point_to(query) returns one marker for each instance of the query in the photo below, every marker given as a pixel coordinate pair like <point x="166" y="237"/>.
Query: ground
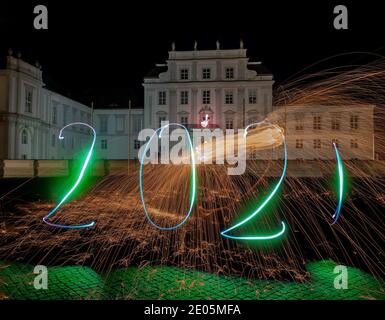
<point x="165" y="282"/>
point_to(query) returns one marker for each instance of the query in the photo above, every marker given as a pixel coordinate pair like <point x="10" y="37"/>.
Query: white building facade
<point x="31" y="117"/>
<point x="113" y="126"/>
<point x="312" y="130"/>
<point x="221" y="86"/>
<point x="224" y="87"/>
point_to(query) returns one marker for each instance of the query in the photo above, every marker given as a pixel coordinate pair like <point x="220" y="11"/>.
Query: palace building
<point x="230" y="92"/>
<point x="222" y="86"/>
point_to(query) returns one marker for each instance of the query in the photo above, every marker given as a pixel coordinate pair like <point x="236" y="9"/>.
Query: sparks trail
<point x="124" y="236"/>
<point x="193" y="178"/>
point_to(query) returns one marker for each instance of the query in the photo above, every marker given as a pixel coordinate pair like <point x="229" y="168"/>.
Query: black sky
<point x="101" y="50"/>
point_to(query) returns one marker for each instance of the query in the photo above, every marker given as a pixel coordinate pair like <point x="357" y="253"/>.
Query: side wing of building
<point x="31" y="116"/>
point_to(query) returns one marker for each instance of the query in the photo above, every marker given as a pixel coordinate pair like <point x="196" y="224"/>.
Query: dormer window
<point x="184" y="74"/>
<point x="229" y="73"/>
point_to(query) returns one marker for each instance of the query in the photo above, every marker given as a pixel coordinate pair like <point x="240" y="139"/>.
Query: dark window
<point x="184" y="97"/>
<point x="299" y="143"/>
<point x="206" y="99"/>
<point x="162" y="98"/>
<point x="206" y="73"/>
<point x="229" y="73"/>
<point x="317" y="125"/>
<point x="184" y="74"/>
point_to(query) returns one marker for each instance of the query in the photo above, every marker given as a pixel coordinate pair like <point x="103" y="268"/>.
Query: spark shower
<point x="158" y="134"/>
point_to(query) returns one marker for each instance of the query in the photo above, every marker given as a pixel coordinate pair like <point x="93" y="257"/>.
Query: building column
<point x="194" y="113"/>
<point x="240" y="107"/>
<point x="194" y="71"/>
<point x="172" y="106"/>
<point x="218" y="108"/>
<point x="11" y="137"/>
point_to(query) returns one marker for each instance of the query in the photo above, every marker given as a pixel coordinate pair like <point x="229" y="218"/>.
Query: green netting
<point x="164" y="282"/>
<point x="70" y="282"/>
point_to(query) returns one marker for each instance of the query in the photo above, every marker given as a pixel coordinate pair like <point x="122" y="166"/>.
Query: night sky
<point x="101" y="50"/>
